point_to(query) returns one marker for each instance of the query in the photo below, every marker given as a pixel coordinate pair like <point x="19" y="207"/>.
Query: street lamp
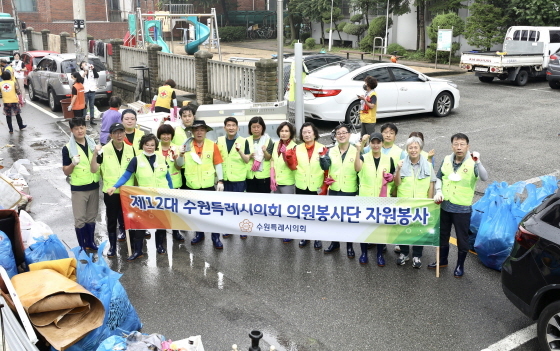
<point x="330" y="31"/>
<point x="386" y="28"/>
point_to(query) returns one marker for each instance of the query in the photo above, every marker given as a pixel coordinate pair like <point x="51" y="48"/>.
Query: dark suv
<point x="531" y="273"/>
<point x="310" y="63"/>
<point x="553" y="70"/>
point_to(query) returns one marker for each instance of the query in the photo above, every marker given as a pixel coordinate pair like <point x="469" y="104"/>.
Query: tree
<point x="445" y="21"/>
<point x="313" y="10"/>
<point x="336" y="16"/>
<point x="376" y="29"/>
<point x="537" y="12"/>
<point x="485" y="26"/>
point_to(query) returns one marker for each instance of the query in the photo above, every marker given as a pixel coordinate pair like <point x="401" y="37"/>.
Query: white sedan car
<point x="330" y="93"/>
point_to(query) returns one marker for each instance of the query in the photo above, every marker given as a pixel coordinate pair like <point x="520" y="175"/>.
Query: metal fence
<point x="132" y="57"/>
<point x="180" y="68"/>
<point x="36" y="40"/>
<point x="179" y="8"/>
<point x="228" y="80"/>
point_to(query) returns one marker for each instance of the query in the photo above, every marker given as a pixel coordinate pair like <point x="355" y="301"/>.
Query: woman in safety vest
<point x="375" y="172"/>
<point x="12" y="105"/>
<point x="415" y="178"/>
<point x="164" y="98"/>
<point x="282" y="177"/>
<point x="132" y="134"/>
<point x="150" y="170"/>
<point x="170" y="152"/>
<point x="259" y="148"/>
<point x="340" y="161"/>
<point x="112" y="159"/>
<point x="309" y="174"/>
<point x="78" y="103"/>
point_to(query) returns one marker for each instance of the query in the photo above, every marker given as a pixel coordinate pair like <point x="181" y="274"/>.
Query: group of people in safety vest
<point x="183" y="158"/>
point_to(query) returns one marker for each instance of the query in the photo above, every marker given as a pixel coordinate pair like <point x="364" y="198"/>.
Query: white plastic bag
<point x="38" y="229"/>
<point x="25" y="222"/>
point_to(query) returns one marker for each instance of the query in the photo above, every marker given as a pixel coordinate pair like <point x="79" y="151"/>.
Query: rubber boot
<point x="317" y="245"/>
<point x="198" y="238"/>
<point x="350" y="250"/>
<point x="122" y="235"/>
<point x="226" y="236"/>
<point x="216" y="241"/>
<point x="160" y="237"/>
<point x="443" y="253"/>
<point x="303" y="243"/>
<point x="380" y="258"/>
<point x="287" y="241"/>
<point x="80" y="234"/>
<point x="113" y="245"/>
<point x="20" y="122"/>
<point x="243" y="236"/>
<point x="147" y="234"/>
<point x="363" y="257"/>
<point x="89" y="239"/>
<point x="178" y="236"/>
<point x="460" y="269"/>
<point x="137" y="241"/>
<point x="334" y="246"/>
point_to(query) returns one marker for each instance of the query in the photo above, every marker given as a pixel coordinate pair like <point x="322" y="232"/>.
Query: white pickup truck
<point x="525" y="54"/>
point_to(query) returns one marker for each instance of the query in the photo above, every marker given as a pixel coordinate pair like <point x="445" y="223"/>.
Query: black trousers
<point x="161" y="109"/>
<point x="18" y="119"/>
<point x="416" y="250"/>
<point x="305" y="192"/>
<point x="258" y="185"/>
<point x="113" y="210"/>
<point x="461" y="222"/>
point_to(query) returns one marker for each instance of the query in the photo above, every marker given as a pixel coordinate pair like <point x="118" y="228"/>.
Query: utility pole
<point x="80" y="29"/>
<point x="19" y="33"/>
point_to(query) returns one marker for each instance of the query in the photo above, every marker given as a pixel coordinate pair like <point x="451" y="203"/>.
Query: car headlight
<point x="452" y="84"/>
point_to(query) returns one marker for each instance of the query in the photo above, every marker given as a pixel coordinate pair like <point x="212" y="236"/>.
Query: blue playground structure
<point x="153" y="31"/>
<point x="202" y="32"/>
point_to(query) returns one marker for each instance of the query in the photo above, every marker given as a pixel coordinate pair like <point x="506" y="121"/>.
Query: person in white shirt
<point x="90" y="75"/>
<point x="19" y="69"/>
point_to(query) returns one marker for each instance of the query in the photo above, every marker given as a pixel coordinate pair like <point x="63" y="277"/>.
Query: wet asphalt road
<point x="303" y="299"/>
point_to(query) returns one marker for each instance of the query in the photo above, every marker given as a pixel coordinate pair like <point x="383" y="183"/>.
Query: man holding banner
<point x="201" y="165"/>
<point x="455" y="186"/>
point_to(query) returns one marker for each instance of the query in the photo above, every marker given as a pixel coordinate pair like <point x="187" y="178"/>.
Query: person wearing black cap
<point x="202" y="161"/>
<point x="112" y="159"/>
<point x="375" y="172"/>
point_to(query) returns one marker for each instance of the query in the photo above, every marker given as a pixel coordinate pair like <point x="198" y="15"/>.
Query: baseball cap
<point x="375" y="136"/>
<point x="116" y="126"/>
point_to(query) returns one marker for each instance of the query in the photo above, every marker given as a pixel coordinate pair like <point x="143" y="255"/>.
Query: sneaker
<point x="402" y="259"/>
<point x="416" y="263"/>
<point x="397" y="249"/>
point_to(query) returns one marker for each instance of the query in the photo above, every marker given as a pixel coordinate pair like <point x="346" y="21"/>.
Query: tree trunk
<point x="421" y="26"/>
<point x="224" y="8"/>
<point x="366" y="15"/>
<point x="339" y="37"/>
<point x="292" y="27"/>
<point x="322" y="33"/>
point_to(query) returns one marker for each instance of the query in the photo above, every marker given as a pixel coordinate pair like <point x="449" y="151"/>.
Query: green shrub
<point x="233" y="33"/>
<point x="310" y="43"/>
<point x="443" y="56"/>
<point x="354" y="29"/>
<point x="357" y="17"/>
<point x="415" y="55"/>
<point x="376" y="29"/>
<point x="401" y="51"/>
<point x="340" y="26"/>
<point x="303" y="36"/>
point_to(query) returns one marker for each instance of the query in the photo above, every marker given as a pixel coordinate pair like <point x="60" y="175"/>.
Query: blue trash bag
<point x="45" y="250"/>
<point x="549" y="186"/>
<point x="101" y="281"/>
<point x="113" y="343"/>
<point x="480" y="208"/>
<point x="496" y="234"/>
<point x="7" y="259"/>
<point x="520" y="209"/>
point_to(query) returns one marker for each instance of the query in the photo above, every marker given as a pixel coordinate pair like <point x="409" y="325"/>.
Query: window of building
<point x="26" y="5"/>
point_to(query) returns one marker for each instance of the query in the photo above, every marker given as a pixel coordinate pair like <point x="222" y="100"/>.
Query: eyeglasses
<point x="460" y="145"/>
<point x="341" y="133"/>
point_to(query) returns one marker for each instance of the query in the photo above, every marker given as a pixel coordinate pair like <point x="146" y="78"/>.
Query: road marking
<point x="556" y="173"/>
<point x="522" y="88"/>
<point x="514" y="340"/>
<point x="324" y="135"/>
<point x="50" y="114"/>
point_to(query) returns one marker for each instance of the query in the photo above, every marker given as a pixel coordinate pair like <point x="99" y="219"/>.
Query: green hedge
<point x="233" y="34"/>
<point x="310" y="43"/>
<point x="401" y="51"/>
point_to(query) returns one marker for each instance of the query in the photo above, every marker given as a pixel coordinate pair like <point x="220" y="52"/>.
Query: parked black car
<point x="553" y="70"/>
<point x="310" y="63"/>
<point x="531" y="273"/>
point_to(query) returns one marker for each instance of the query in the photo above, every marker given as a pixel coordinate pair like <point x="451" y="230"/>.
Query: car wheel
<point x="554" y="84"/>
<point x="32" y="94"/>
<point x="522" y="78"/>
<point x="548" y="327"/>
<point x="443" y="104"/>
<point x="54" y="103"/>
<point x="486" y="79"/>
<point x="353" y="115"/>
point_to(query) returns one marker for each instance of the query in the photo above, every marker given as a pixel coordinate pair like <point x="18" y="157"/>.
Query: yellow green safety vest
<point x="180" y="135"/>
<point x="284" y="175"/>
<point x="199" y="176"/>
<point x="413" y="187"/>
<point x="266" y="164"/>
<point x="138" y="134"/>
<point x="309" y="174"/>
<point x="81" y="174"/>
<point x="459" y="192"/>
<point x="234" y="168"/>
<point x="9" y="94"/>
<point x="149" y="178"/>
<point x="175" y="174"/>
<point x="164" y="96"/>
<point x="395" y="153"/>
<point x="111" y="169"/>
<point x="343" y="172"/>
<point x="371" y="178"/>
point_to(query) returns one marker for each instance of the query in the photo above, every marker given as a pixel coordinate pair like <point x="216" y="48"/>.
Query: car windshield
<point x="337" y="70"/>
<point x="36" y="60"/>
<point x="70" y="66"/>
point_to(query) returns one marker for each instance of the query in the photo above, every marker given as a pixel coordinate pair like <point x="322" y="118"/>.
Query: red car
<point x="31" y="58"/>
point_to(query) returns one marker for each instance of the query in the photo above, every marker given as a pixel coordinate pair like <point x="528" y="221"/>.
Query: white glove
<point x="76" y="160"/>
<point x="220" y="186"/>
<point x="69" y="108"/>
<point x="182" y="149"/>
<point x="438" y="198"/>
<point x="476" y="156"/>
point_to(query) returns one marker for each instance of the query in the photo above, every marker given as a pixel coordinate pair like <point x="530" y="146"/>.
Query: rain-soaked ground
<point x="302" y="299"/>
